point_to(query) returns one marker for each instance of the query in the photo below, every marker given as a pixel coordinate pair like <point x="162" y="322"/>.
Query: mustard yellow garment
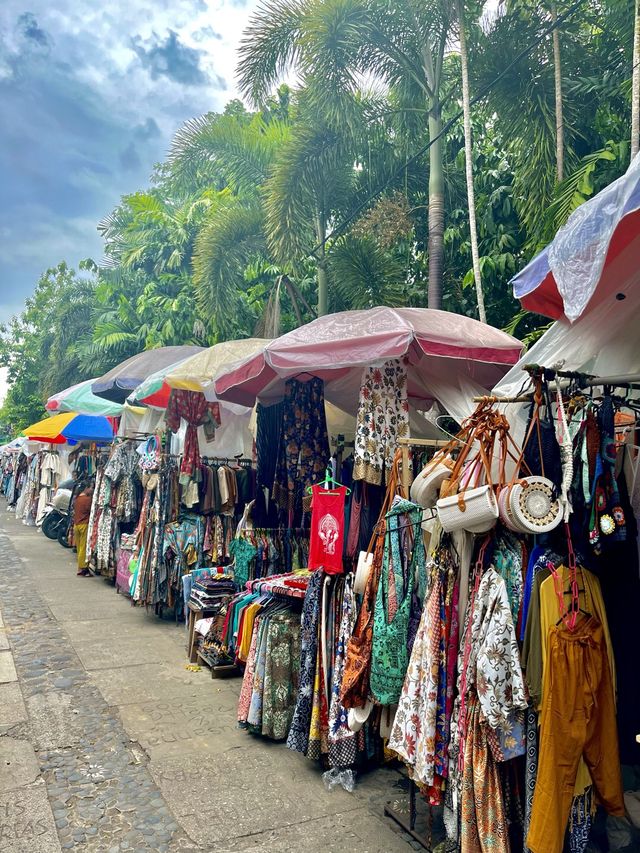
<point x="590" y="600"/>
<point x="247" y="630"/>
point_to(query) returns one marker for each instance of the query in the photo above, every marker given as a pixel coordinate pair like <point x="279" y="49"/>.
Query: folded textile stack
<point x="212" y="591"/>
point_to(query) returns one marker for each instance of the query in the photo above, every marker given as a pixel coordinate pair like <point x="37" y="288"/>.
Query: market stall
<point x="572" y="587"/>
<point x="172" y="491"/>
<point x="386" y="368"/>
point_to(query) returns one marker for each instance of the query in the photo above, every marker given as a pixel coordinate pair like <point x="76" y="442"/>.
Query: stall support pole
<point x="405" y="444"/>
<point x="410" y="825"/>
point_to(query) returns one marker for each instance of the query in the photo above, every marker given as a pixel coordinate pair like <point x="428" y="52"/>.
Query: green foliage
<point x="365" y="275"/>
<point x="252" y="209"/>
<point x="43" y="347"/>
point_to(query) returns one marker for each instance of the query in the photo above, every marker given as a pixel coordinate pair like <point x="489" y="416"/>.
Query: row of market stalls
<point x="409" y="540"/>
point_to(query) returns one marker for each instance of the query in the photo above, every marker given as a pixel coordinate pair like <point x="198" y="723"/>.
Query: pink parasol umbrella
<point x="441" y="348"/>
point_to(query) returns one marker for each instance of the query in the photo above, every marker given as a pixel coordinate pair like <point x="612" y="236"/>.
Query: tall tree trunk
<point x="557" y="73"/>
<point x="468" y="161"/>
<point x="436" y="210"/>
<point x="635" y="85"/>
<point x="323" y="278"/>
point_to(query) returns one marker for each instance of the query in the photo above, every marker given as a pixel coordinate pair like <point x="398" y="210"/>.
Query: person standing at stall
<point x="81" y="513"/>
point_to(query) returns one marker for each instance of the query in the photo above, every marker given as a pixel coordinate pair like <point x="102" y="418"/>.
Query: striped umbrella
<point x="81" y="399"/>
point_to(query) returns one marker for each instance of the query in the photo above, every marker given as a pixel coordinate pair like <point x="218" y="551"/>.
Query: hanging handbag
<point x="541" y="452"/>
<point x="426" y="486"/>
<point x="472" y="509"/>
<point x="475" y="510"/>
<point x="534" y="506"/>
<point x="354" y="690"/>
<point x="150" y="454"/>
<point x="530" y="504"/>
<point x="390" y="652"/>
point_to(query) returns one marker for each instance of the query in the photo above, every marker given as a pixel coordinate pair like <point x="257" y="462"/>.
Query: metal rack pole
<point x="410" y="825"/>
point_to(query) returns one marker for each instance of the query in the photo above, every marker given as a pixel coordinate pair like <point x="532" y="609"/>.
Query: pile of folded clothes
<point x="209" y="592"/>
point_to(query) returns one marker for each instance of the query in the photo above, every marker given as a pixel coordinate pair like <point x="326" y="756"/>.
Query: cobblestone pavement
<point x="108" y="744"/>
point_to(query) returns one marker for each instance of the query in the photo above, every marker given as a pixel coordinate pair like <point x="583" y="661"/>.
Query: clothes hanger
<point x="570" y="613"/>
<point x="329" y="482"/>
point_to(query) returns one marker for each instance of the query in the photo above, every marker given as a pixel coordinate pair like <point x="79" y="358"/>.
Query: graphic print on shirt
<point x="328" y="530"/>
<point x="326" y="543"/>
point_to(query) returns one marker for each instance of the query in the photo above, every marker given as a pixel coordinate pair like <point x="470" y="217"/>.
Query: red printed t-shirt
<point x="327" y="529"/>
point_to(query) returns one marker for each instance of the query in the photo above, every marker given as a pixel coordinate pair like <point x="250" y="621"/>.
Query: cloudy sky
<point x="90" y="96"/>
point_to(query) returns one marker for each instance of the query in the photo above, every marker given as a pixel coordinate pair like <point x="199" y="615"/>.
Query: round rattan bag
<point x="534" y="506"/>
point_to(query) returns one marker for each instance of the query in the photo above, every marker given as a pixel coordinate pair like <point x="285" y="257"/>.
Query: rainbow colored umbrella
<point x="196" y="372"/>
<point x="72" y="427"/>
<point x="81" y="399"/>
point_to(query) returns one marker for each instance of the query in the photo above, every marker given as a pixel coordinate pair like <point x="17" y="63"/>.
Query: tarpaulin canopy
<point x="603" y="341"/>
<point x="81" y="399"/>
<point x="14" y="446"/>
<point x="450" y="357"/>
<point x="121" y="380"/>
<point x="562" y="279"/>
<point x="70" y="426"/>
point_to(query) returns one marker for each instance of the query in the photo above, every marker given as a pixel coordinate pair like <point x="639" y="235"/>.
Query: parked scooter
<point x="55" y="523"/>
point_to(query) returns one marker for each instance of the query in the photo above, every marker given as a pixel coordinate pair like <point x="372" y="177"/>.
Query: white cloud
<point x="91" y="99"/>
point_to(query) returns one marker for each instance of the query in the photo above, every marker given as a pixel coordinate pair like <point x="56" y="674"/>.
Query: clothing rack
<point x="405" y="444"/>
<point x="226" y="460"/>
<point x="409" y="825"/>
<point x="295" y="530"/>
<point x="563" y="379"/>
<point x="269" y="586"/>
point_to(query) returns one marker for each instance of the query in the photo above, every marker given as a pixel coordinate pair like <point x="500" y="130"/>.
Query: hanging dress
<point x="390" y="653"/>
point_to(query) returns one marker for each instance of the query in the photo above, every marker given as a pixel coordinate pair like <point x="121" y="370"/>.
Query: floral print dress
<point x="494" y="662"/>
<point x="383" y="418"/>
<point x="419" y="733"/>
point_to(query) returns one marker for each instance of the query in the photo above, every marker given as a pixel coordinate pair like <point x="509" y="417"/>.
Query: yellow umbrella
<point x="198" y="372"/>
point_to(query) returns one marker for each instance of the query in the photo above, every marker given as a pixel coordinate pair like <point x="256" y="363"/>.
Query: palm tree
<point x="287" y="182"/>
<point x="152" y="232"/>
<point x="237" y="151"/>
<point x="635" y="85"/>
<point x="333" y="45"/>
<point x="468" y="158"/>
<point x="557" y="76"/>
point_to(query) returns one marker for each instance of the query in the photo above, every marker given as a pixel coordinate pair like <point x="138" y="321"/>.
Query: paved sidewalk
<point x="108" y="744"/>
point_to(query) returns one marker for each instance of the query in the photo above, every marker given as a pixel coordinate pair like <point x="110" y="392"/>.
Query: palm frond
<point x="269" y="47"/>
<point x="578" y="186"/>
<point x="228" y="239"/>
<point x="240" y="152"/>
<point x="310" y="178"/>
<point x="363" y="275"/>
